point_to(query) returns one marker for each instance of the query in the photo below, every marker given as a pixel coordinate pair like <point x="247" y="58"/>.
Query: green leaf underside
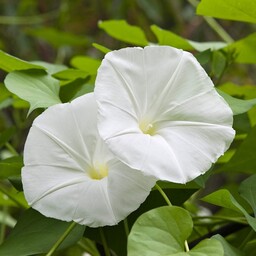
<point x="50" y="67"/>
<point x="238" y="106"/>
<point x="163" y="231"/>
<point x="245" y="91"/>
<point x="10" y="63"/>
<point x="70" y="74"/>
<point x="35" y="233"/>
<point x="244" y="49"/>
<point x="224" y="199"/>
<point x="241" y="10"/>
<point x="40" y="90"/>
<point x="121" y="30"/>
<point x="247" y="190"/>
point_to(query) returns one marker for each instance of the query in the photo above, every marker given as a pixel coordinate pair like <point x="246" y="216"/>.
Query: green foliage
<point x="9" y="63"/>
<point x="165" y="37"/>
<point x="224" y="199"/>
<point x="39" y="89"/>
<point x="163" y="231"/>
<point x="229" y="9"/>
<point x="238" y="106"/>
<point x="245" y="49"/>
<point x="34" y="233"/>
<point x="121" y="30"/>
<point x="229" y="250"/>
<point x="86" y="64"/>
<point x="247" y="190"/>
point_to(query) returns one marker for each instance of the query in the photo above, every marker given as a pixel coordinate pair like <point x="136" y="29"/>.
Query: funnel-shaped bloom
<point x="70" y="174"/>
<point x="159" y="112"/>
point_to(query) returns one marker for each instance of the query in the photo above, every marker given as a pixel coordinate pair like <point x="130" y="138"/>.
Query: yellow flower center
<point x="147" y="128"/>
<point x="98" y="173"/>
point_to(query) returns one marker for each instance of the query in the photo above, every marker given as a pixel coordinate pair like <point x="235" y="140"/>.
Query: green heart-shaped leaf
<point x="163" y="231"/>
<point x="39" y="89"/>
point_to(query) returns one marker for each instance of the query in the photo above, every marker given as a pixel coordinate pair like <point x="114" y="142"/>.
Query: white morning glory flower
<point x="69" y="173"/>
<point x="159" y="112"/>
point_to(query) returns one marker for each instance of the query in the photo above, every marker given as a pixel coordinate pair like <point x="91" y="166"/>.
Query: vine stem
<point x="10" y="196"/>
<point x="163" y="194"/>
<point x="126" y="227"/>
<point x="104" y="243"/>
<point x="247" y="239"/>
<point x="169" y="204"/>
<point x="61" y="239"/>
<point x="186" y="246"/>
<point x="11" y="149"/>
<point x="240" y="220"/>
<point x="215" y="25"/>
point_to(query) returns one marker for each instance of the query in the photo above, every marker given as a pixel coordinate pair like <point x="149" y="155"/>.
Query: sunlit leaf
<point x="101" y="48"/>
<point x="86" y="64"/>
<point x="163" y="231"/>
<point x="203" y="46"/>
<point x="121" y="30"/>
<point x="70" y="74"/>
<point x="40" y="90"/>
<point x="224" y="199"/>
<point x="247" y="190"/>
<point x="244" y="91"/>
<point x="165" y="37"/>
<point x="35" y="233"/>
<point x="229" y="9"/>
<point x="50" y="67"/>
<point x="10" y="63"/>
<point x="244" y="49"/>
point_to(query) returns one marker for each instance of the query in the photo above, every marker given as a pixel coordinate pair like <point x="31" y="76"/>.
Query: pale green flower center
<point x="147" y="128"/>
<point x="99" y="172"/>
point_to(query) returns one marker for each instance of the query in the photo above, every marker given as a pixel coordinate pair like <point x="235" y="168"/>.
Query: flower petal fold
<point x="158" y="112"/>
<point x="62" y="149"/>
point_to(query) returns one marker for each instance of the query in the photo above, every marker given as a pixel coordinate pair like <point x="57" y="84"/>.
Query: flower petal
<point x="146" y="96"/>
<point x="62" y="147"/>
